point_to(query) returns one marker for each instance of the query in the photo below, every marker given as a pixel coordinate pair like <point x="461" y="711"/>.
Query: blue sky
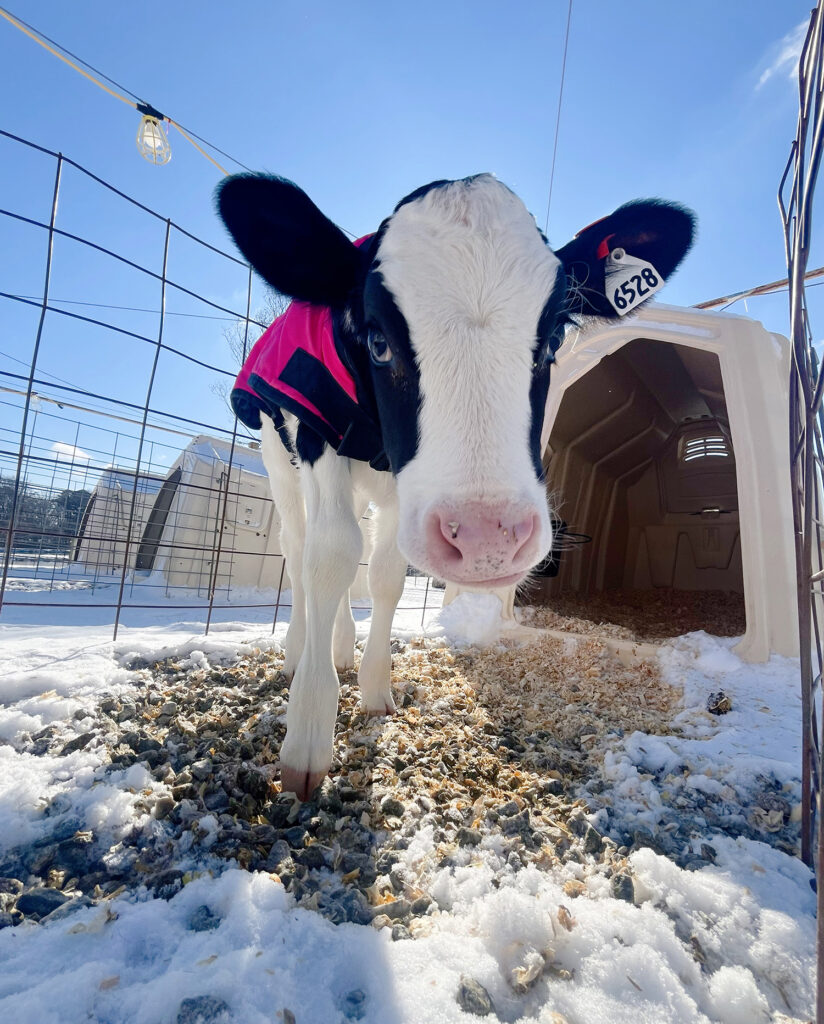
<point x="360" y="103"/>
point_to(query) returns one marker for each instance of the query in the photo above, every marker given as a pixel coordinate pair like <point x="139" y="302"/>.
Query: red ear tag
<point x="603" y="248"/>
<point x="589" y="227"/>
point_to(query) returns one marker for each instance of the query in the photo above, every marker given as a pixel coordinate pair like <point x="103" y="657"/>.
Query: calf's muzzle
<point x="483" y="543"/>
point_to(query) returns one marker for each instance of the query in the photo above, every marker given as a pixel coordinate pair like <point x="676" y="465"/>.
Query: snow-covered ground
<point x="72" y="597"/>
<point x="730" y="941"/>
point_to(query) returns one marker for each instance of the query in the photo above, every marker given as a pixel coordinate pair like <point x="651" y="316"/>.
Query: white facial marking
<point x="470" y="273"/>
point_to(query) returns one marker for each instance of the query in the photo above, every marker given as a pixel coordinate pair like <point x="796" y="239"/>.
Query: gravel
<point x="353" y="1005"/>
<point x="623" y="888"/>
<point x="203" y="920"/>
<point x="496" y="754"/>
<point x="474" y="998"/>
<point x="39" y="901"/>
<point x="204" y="1010"/>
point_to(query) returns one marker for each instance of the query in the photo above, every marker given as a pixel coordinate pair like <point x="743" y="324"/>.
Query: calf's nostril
<point x="517" y="533"/>
<point x="444" y="535"/>
<point x="524" y="531"/>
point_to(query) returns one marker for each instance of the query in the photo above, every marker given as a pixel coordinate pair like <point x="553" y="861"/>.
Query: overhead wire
<point x="53" y="47"/>
<point x="14" y="359"/>
<point x="74" y="56"/>
<point x="36" y="36"/>
<point x="135" y="101"/>
<point x="558" y="118"/>
<point x="135" y="309"/>
<point x="134" y="96"/>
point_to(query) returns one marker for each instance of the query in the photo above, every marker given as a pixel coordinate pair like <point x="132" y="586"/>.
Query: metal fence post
<point x="795" y="200"/>
<point x="158" y="348"/>
<point x="32" y="370"/>
<point x="215" y="567"/>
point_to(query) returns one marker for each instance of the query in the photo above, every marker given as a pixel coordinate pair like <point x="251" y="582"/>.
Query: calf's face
<point x="462" y="298"/>
<point x="461" y="305"/>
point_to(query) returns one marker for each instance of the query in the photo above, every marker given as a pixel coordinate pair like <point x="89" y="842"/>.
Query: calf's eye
<point x="379" y="348"/>
<point x="542" y="356"/>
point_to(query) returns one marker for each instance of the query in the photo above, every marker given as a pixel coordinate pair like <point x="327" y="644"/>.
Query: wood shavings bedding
<point x="549" y="691"/>
<point x="572" y="688"/>
<point x="646" y="616"/>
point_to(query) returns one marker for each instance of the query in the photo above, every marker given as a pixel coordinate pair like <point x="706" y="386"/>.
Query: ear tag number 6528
<point x="629" y="281"/>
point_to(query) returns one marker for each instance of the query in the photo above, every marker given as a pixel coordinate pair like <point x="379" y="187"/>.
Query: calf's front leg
<point x="343" y="638"/>
<point x="330" y="560"/>
<point x="386" y="574"/>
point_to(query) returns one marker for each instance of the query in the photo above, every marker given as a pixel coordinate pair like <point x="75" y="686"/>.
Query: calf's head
<point x="454" y="310"/>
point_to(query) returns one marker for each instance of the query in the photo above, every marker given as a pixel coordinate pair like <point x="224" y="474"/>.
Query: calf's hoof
<point x="384" y="706"/>
<point x="380" y="714"/>
<point x="300" y="782"/>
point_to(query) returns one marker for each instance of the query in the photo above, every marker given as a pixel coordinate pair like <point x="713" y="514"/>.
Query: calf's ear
<point x="652" y="230"/>
<point x="287" y="239"/>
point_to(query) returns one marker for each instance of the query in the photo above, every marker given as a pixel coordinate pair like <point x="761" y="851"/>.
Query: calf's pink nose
<point x="480" y="542"/>
<point x="472" y="534"/>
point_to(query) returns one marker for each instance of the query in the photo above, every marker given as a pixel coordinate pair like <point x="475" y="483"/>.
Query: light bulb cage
<point x="152" y="143"/>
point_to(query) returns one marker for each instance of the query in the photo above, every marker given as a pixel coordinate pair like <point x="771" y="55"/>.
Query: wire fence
<point x="128" y="487"/>
<point x="126" y="484"/>
<point x="795" y="196"/>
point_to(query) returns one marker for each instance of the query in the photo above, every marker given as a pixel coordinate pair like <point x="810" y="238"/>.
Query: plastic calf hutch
<point x="105" y="530"/>
<point x="665" y="441"/>
<point x="180" y="538"/>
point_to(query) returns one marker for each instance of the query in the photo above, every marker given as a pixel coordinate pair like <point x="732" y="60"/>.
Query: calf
<point x="411" y="371"/>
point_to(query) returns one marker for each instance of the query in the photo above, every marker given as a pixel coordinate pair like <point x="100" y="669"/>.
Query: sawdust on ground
<point x="645" y="616"/>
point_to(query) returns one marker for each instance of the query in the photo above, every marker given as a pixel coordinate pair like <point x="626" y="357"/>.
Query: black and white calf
<point x="446" y="321"/>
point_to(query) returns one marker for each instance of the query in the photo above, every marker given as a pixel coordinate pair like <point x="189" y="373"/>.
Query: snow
<point x="470" y="619"/>
<point x="133" y="959"/>
<point x="760" y="737"/>
<point x="630" y="967"/>
<point x="65" y="597"/>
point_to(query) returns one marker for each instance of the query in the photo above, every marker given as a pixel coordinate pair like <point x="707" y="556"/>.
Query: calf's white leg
<point x="284" y="480"/>
<point x="330" y="561"/>
<point x="343" y="642"/>
<point x="386" y="574"/>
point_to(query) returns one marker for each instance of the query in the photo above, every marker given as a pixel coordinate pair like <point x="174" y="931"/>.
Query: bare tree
<point x="241" y="336"/>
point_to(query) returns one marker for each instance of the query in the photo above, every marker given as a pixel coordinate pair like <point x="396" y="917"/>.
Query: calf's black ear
<point x="287" y="239"/>
<point x="650" y="230"/>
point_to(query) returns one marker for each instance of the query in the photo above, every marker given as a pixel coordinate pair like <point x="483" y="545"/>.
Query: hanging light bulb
<point x="151" y="139"/>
